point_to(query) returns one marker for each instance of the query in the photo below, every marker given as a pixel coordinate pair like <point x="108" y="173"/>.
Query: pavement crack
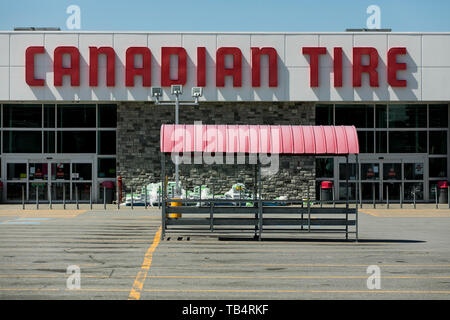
<point x="95" y="260"/>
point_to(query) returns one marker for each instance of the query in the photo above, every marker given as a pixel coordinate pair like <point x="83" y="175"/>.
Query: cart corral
<point x="254" y="145"/>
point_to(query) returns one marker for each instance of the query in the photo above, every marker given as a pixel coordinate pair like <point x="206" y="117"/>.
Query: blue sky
<point x="228" y="15"/>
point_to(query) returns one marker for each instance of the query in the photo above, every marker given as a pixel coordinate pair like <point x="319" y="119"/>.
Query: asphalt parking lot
<point x="119" y="256"/>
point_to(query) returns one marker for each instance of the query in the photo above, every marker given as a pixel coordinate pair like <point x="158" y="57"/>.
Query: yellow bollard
<point x="174" y="204"/>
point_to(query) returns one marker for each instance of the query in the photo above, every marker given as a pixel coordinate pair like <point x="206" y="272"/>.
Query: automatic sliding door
<point x="81" y="181"/>
<point x="60" y="181"/>
<point x="370" y="181"/>
<point x="38" y="180"/>
<point x="414" y="175"/>
<point x="392" y="180"/>
<point x="16" y="181"/>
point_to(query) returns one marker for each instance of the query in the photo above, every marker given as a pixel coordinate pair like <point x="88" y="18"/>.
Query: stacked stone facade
<point x="138" y="146"/>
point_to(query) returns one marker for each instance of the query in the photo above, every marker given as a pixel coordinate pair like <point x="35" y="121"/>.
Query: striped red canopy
<point x="333" y="140"/>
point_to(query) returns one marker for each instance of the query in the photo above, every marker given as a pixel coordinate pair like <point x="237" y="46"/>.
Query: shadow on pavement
<point x="320" y="240"/>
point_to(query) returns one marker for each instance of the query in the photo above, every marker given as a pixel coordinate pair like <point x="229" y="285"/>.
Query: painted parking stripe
<point x="135" y="293"/>
<point x="26" y="221"/>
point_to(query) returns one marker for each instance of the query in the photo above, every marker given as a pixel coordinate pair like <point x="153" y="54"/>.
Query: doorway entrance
<point x="396" y="177"/>
<point x="44" y="179"/>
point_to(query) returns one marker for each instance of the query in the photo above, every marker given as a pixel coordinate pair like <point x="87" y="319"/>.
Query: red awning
<point x="333" y="140"/>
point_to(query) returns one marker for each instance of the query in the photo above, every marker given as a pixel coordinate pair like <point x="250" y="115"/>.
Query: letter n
<point x="256" y="66"/>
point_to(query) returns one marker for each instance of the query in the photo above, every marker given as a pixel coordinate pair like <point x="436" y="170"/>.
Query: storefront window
<point x="438" y="115"/>
<point x="351" y="171"/>
<point x="81" y="191"/>
<point x="381" y="116"/>
<point x="49" y="115"/>
<point x="60" y="171"/>
<point x="22" y="141"/>
<point x="76" y="142"/>
<point x="365" y="139"/>
<point x="407" y="116"/>
<point x="49" y="142"/>
<point x="392" y="190"/>
<point x="358" y="115"/>
<point x="370" y="171"/>
<point x="324" y="114"/>
<point x="381" y="142"/>
<point x="433" y="191"/>
<point x="343" y="191"/>
<point x="438" y="167"/>
<point x="408" y="142"/>
<point x="413" y="190"/>
<point x="438" y="142"/>
<point x="76" y="116"/>
<point x="107" y="115"/>
<point x="413" y="171"/>
<point x="107" y="168"/>
<point x="38" y="171"/>
<point x="107" y="142"/>
<point x="392" y="171"/>
<point x="15" y="191"/>
<point x="324" y="167"/>
<point x="22" y="115"/>
<point x="16" y="171"/>
<point x="81" y="171"/>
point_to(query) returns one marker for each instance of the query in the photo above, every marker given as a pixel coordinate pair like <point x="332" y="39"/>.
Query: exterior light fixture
<point x="197" y="92"/>
<point x="156" y="92"/>
<point x="176" y="89"/>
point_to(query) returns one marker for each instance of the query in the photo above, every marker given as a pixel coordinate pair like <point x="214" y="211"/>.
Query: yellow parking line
<point x="135" y="293"/>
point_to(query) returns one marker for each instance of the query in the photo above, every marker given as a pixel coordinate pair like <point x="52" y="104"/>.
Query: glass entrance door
<point x="38" y="180"/>
<point x="68" y="180"/>
<point x="60" y="181"/>
<point x="396" y="178"/>
<point x="392" y="180"/>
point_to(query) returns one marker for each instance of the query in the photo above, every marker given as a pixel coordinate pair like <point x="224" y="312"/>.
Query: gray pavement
<point x="120" y="257"/>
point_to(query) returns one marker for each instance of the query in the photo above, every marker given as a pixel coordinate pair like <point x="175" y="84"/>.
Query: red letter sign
<point x="393" y="66"/>
<point x="74" y="70"/>
<point x="132" y="71"/>
<point x="371" y="69"/>
<point x="235" y="71"/>
<point x="256" y="66"/>
<point x="314" y="53"/>
<point x="29" y="66"/>
<point x="166" y="52"/>
<point x="94" y="52"/>
<point x="201" y="67"/>
<point x="337" y="67"/>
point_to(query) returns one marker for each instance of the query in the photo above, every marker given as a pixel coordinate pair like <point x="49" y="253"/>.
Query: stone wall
<point x="138" y="156"/>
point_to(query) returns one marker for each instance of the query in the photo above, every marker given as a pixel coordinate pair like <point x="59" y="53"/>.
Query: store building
<point x="77" y="110"/>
